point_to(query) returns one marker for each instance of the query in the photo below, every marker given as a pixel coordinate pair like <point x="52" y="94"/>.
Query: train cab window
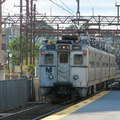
<point x="103" y="64"/>
<point x="92" y="64"/>
<point x="111" y="65"/>
<point x="64" y="58"/>
<point x="107" y="65"/>
<point x="78" y="59"/>
<point x="48" y="58"/>
<point x="98" y="64"/>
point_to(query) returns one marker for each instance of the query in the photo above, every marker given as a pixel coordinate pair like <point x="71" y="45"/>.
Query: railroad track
<point x="65" y="106"/>
<point x="40" y="111"/>
<point x="34" y="113"/>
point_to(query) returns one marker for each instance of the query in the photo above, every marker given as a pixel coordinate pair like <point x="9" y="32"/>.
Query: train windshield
<point x="48" y="58"/>
<point x="78" y="59"/>
<point x="64" y="58"/>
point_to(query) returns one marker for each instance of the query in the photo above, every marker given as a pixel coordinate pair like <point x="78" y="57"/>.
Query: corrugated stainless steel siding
<point x="13" y="93"/>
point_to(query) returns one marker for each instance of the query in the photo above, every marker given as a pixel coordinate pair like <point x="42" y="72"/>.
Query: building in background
<point x="8" y="34"/>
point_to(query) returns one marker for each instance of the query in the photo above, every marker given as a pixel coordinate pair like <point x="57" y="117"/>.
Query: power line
<point x="61" y="7"/>
<point x="9" y="10"/>
<point x="92" y="6"/>
<point x="67" y="6"/>
<point x="49" y="8"/>
<point x="4" y="12"/>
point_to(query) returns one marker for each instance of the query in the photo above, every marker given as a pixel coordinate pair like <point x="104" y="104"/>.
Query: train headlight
<point x="50" y="76"/>
<point x="75" y="77"/>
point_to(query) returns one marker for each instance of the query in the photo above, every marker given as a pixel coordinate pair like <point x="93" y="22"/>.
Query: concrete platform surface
<point x="103" y="106"/>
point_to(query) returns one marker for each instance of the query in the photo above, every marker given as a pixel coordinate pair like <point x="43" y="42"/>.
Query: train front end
<point x="63" y="70"/>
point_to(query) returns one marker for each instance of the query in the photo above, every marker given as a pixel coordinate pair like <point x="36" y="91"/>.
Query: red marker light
<point x="63" y="47"/>
<point x="42" y="52"/>
<point x="85" y="53"/>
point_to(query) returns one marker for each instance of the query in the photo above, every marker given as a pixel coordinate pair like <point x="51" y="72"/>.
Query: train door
<point x="64" y="67"/>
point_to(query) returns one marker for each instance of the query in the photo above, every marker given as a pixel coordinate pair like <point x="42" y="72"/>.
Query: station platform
<point x="103" y="106"/>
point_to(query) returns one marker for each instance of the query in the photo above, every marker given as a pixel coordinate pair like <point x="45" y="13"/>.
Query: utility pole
<point x="117" y="11"/>
<point x="30" y="10"/>
<point x="27" y="23"/>
<point x="31" y="35"/>
<point x="34" y="34"/>
<point x="78" y="11"/>
<point x="1" y="1"/>
<point x="78" y="8"/>
<point x="21" y="53"/>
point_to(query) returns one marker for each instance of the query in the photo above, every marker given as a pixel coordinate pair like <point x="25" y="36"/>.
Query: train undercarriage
<point x="63" y="92"/>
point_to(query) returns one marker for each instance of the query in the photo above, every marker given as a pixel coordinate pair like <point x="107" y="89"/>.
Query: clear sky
<point x="87" y="7"/>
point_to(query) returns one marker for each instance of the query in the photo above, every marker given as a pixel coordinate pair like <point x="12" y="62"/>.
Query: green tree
<point x="30" y="69"/>
<point x="71" y="27"/>
<point x="14" y="49"/>
<point x="14" y="45"/>
<point x="43" y="25"/>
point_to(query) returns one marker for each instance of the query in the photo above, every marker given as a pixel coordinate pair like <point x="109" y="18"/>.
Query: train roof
<point x="80" y="40"/>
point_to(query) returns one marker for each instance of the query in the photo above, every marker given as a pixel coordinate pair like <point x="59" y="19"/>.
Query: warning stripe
<point x="75" y="107"/>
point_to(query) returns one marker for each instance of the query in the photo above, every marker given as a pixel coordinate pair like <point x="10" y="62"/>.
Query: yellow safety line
<point x="75" y="107"/>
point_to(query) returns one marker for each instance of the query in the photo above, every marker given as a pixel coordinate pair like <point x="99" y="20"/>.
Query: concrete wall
<point x="13" y="93"/>
<point x="2" y="75"/>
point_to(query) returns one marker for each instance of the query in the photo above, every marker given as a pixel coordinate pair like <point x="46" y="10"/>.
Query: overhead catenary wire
<point x="61" y="7"/>
<point x="9" y="10"/>
<point x="92" y="6"/>
<point x="67" y="6"/>
<point x="50" y="8"/>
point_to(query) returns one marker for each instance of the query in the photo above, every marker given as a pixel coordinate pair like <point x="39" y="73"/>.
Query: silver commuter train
<point x="70" y="69"/>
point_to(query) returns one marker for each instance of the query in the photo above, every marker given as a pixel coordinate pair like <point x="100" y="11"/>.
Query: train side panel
<point x="48" y="70"/>
<point x="79" y="68"/>
<point x="94" y="71"/>
<point x="92" y="66"/>
<point x="111" y="66"/>
<point x="46" y="81"/>
<point x="98" y="65"/>
<point x="81" y="72"/>
<point x="103" y="66"/>
<point x="107" y="66"/>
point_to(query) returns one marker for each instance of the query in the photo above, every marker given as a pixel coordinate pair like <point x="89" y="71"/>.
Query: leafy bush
<point x="30" y="69"/>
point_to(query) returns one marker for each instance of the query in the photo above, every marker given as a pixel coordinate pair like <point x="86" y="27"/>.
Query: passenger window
<point x="92" y="64"/>
<point x="103" y="64"/>
<point x="78" y="59"/>
<point x="48" y="58"/>
<point x="98" y="64"/>
<point x="111" y="64"/>
<point x="64" y="58"/>
<point x="107" y="64"/>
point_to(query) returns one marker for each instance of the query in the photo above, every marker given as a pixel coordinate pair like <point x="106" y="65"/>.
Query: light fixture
<point x="75" y="77"/>
<point x="50" y="76"/>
